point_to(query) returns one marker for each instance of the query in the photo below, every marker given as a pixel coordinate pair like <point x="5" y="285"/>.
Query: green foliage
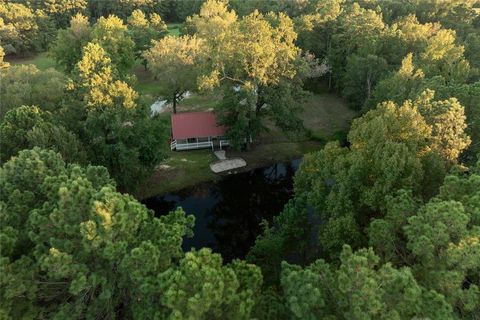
<point x="258" y="56"/>
<point x="361" y="76"/>
<point x="201" y="288"/>
<point x="143" y="31"/>
<point x="26" y="85"/>
<point x="62" y="10"/>
<point x="176" y="63"/>
<point x="27" y="127"/>
<point x="19" y="29"/>
<point x="444" y="237"/>
<point x="117" y="132"/>
<point x="3" y="64"/>
<point x="428" y="250"/>
<point x="472" y="49"/>
<point x="409" y="81"/>
<point x="67" y="48"/>
<point x="97" y="80"/>
<point x="288" y="236"/>
<point x="112" y="35"/>
<point x="347" y="33"/>
<point x="357" y="31"/>
<point x="359" y="288"/>
<point x="442" y="57"/>
<point x="236" y="113"/>
<point x="74" y="248"/>
<point x="448" y="122"/>
<point x="128" y="142"/>
<point x="385" y="235"/>
<point x="284" y="103"/>
<point x="391" y="148"/>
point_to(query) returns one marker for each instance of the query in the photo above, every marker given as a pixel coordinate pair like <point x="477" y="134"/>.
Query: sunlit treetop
<point x="98" y="81"/>
<point x="254" y="50"/>
<point x="111" y="33"/>
<point x="3" y="64"/>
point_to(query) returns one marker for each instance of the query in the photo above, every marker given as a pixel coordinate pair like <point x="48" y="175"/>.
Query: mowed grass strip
<point x="42" y="61"/>
<point x="174" y="29"/>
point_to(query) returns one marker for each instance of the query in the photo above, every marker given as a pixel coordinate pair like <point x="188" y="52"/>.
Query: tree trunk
<point x="260" y="102"/>
<point x="174" y="102"/>
<point x="369" y="87"/>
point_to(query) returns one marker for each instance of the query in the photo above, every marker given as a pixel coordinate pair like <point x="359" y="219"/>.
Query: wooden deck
<point x="227" y="165"/>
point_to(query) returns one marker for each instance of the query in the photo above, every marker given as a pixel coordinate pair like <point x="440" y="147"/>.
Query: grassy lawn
<point x="323" y="116"/>
<point x="180" y="170"/>
<point x="146" y="86"/>
<point x="150" y="91"/>
<point x="41" y="60"/>
<point x="174" y="29"/>
<point x="326" y="114"/>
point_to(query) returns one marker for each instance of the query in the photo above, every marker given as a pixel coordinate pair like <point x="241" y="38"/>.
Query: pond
<point x="228" y="212"/>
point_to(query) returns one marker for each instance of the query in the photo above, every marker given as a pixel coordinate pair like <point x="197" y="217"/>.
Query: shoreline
<point x="255" y="159"/>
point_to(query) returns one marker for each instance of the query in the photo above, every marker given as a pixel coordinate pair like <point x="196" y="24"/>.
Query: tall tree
<point x="391" y="148"/>
<point x="67" y="48"/>
<point x="143" y="31"/>
<point x="119" y="133"/>
<point x="61" y="11"/>
<point x="361" y="76"/>
<point x="443" y="57"/>
<point x="26" y="127"/>
<point x="74" y="248"/>
<point x="19" y="29"/>
<point x="97" y="81"/>
<point x="357" y="30"/>
<point x="176" y="62"/>
<point x="253" y="53"/>
<point x="359" y="288"/>
<point x="3" y="63"/>
<point x="112" y="35"/>
<point x="26" y="85"/>
<point x="448" y="122"/>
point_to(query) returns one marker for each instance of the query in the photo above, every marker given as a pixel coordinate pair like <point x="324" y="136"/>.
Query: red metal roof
<point x="195" y="125"/>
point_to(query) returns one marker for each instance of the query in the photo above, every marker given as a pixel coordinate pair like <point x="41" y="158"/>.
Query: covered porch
<point x="197" y="130"/>
<point x="198" y="143"/>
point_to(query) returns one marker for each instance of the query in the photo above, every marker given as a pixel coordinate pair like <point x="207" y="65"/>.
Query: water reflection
<point x="228" y="212"/>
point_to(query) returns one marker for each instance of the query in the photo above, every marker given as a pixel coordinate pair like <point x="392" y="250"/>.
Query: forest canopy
<point x="384" y="219"/>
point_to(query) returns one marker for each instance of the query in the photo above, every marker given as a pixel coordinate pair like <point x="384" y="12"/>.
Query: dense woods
<point x="384" y="222"/>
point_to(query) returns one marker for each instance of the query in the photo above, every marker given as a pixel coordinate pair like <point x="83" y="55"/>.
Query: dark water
<point x="228" y="212"/>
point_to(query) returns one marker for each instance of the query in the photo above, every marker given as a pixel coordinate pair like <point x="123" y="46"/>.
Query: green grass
<point x="41" y="60"/>
<point x="151" y="90"/>
<point x="326" y="114"/>
<point x="181" y="170"/>
<point x="146" y="86"/>
<point x="174" y="29"/>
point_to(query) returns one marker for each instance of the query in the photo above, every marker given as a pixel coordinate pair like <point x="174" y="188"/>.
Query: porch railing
<point x="174" y="145"/>
<point x="224" y="143"/>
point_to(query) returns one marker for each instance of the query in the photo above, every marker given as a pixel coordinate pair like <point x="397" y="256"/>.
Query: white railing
<point x="224" y="143"/>
<point x="190" y="146"/>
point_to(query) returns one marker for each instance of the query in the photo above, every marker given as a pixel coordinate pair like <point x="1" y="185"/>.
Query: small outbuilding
<point x="196" y="130"/>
